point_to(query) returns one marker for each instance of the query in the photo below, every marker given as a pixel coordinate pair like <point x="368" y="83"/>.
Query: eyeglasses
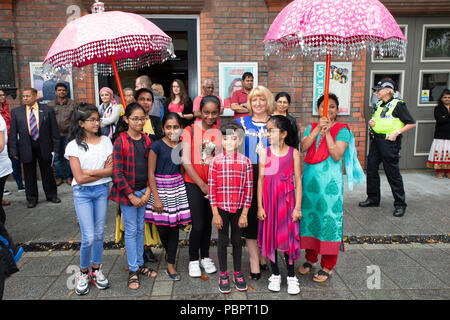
<point x="93" y="120"/>
<point x="138" y="119"/>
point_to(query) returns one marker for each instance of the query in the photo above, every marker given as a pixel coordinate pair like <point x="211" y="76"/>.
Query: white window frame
<point x="422" y="45"/>
<point x="402" y="84"/>
<point x="372" y="56"/>
<point x="416" y="129"/>
<point x="419" y="88"/>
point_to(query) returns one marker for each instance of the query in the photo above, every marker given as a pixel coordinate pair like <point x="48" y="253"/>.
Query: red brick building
<point x="208" y="32"/>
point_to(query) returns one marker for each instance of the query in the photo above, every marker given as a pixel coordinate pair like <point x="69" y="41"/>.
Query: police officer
<point x="389" y="122"/>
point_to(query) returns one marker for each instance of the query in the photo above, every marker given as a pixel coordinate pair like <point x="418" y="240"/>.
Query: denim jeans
<point x="60" y="160"/>
<point x="133" y="221"/>
<point x="91" y="206"/>
<point x="17" y="173"/>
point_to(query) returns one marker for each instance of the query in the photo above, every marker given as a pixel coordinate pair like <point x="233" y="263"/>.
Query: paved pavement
<point x="385" y="258"/>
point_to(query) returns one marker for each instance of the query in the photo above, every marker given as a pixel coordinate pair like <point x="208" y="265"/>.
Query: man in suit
<point x="34" y="137"/>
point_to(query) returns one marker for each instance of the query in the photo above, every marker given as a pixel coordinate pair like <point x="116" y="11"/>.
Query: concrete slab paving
<point x="407" y="270"/>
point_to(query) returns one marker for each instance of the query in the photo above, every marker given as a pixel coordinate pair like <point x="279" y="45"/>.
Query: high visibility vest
<point x="387" y="124"/>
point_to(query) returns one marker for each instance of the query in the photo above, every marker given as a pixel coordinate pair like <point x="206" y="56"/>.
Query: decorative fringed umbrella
<point x="342" y="28"/>
<point x="115" y="40"/>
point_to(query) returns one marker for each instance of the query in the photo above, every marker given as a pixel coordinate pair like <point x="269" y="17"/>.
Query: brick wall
<point x="230" y="31"/>
<point x="33" y="26"/>
<point x="233" y="31"/>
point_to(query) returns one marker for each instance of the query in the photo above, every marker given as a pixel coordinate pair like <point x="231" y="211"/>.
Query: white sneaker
<point x="293" y="286"/>
<point x="194" y="269"/>
<point x="82" y="284"/>
<point x="208" y="265"/>
<point x="98" y="279"/>
<point x="274" y="283"/>
<point x="6" y="192"/>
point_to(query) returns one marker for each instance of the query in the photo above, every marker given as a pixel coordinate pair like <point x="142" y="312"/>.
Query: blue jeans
<point x="60" y="161"/>
<point x="133" y="221"/>
<point x="17" y="173"/>
<point x="91" y="206"/>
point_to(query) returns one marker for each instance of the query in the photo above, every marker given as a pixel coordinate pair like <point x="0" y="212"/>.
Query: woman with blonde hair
<point x="261" y="103"/>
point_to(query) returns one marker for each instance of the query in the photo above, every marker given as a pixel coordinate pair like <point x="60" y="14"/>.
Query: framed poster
<point x="340" y="84"/>
<point x="44" y="80"/>
<point x="230" y="80"/>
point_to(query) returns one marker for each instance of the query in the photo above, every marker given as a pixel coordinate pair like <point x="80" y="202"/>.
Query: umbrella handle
<point x="327" y="86"/>
<point x="119" y="84"/>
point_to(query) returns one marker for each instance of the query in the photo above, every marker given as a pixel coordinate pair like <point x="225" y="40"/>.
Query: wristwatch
<point x="398" y="132"/>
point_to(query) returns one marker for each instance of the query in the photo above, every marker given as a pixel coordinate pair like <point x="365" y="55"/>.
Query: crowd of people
<point x="168" y="164"/>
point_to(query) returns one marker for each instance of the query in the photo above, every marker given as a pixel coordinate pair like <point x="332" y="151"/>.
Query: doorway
<point x="184" y="67"/>
<point x="420" y="77"/>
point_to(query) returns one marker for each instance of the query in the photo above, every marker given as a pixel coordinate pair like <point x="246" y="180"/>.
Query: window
<point x="7" y="83"/>
<point x="435" y="43"/>
<point x="377" y="75"/>
<point x="377" y="57"/>
<point x="431" y="85"/>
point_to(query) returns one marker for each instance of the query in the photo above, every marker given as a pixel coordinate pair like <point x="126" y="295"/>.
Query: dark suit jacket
<point x="20" y="139"/>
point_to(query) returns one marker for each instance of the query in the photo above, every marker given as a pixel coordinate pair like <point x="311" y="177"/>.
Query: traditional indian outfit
<point x="321" y="225"/>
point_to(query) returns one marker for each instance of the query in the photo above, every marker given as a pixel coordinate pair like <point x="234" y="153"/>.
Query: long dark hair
<point x="284" y="125"/>
<point x="183" y="93"/>
<point x="172" y="115"/>
<point x="330" y="96"/>
<point x="444" y="92"/>
<point x="210" y="98"/>
<point x="81" y="113"/>
<point x="122" y="126"/>
<point x="283" y="94"/>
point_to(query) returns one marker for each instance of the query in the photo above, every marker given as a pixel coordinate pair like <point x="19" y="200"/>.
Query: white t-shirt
<point x="5" y="162"/>
<point x="92" y="159"/>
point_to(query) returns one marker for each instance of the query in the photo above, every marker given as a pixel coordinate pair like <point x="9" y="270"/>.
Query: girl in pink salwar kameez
<point x="279" y="201"/>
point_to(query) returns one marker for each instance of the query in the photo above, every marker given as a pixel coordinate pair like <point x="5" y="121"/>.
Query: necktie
<point x="34" y="131"/>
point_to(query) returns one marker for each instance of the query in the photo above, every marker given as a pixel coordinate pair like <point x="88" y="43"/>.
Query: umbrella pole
<point x="327" y="85"/>
<point x="119" y="84"/>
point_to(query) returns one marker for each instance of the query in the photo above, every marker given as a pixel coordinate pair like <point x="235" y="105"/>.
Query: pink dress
<point x="278" y="231"/>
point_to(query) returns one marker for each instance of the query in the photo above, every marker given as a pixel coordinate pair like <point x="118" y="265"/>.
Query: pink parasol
<point x="334" y="27"/>
<point x="116" y="40"/>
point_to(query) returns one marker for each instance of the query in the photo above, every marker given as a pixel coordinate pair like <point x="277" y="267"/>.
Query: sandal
<point x="322" y="273"/>
<point x="306" y="265"/>
<point x="148" y="272"/>
<point x="133" y="278"/>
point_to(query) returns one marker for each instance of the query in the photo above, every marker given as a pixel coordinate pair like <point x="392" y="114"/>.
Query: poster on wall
<point x="230" y="80"/>
<point x="44" y="80"/>
<point x="340" y="84"/>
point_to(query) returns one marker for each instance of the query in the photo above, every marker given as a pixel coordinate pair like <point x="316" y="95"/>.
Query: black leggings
<point x="290" y="267"/>
<point x="201" y="216"/>
<point x="169" y="237"/>
<point x="230" y="219"/>
<point x="2" y="188"/>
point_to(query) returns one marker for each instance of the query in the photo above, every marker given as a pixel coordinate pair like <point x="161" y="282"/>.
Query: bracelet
<point x="332" y="147"/>
<point x="243" y="216"/>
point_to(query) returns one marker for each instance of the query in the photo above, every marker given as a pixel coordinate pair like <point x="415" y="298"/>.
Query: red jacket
<point x="124" y="168"/>
<point x="4" y="112"/>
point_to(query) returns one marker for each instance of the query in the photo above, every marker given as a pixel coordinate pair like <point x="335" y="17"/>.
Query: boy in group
<point x="230" y="184"/>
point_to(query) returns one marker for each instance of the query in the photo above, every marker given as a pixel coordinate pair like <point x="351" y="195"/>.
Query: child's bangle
<point x="243" y="216"/>
<point x="332" y="147"/>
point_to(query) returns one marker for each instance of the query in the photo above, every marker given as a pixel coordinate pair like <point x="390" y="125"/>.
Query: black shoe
<point x="31" y="205"/>
<point x="368" y="203"/>
<point x="255" y="276"/>
<point x="399" y="212"/>
<point x="263" y="266"/>
<point x="149" y="256"/>
<point x="55" y="200"/>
